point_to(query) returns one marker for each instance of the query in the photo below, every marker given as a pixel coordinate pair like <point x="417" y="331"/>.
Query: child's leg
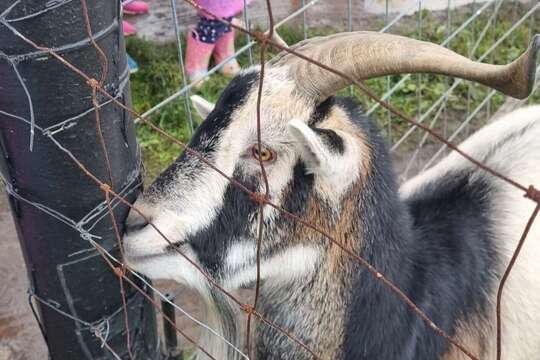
<point x="200" y="44"/>
<point x="224" y="49"/>
<point x="128" y="29"/>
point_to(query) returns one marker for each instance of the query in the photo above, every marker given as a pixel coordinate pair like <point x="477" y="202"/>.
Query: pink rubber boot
<point x="135" y="7"/>
<point x="128" y="29"/>
<point x="225" y="48"/>
<point x="197" y="58"/>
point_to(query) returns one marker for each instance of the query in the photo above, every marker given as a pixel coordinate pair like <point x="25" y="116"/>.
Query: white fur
<point x="172" y="266"/>
<point x="289" y="264"/>
<point x="518" y="159"/>
<point x="481" y="143"/>
<point x="201" y="197"/>
<point x="239" y="254"/>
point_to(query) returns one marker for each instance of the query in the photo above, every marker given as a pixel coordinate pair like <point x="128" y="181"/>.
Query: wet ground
<point x="158" y="25"/>
<point x="19" y="334"/>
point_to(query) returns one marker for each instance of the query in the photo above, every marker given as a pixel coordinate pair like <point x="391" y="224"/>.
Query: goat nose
<point x="135" y="222"/>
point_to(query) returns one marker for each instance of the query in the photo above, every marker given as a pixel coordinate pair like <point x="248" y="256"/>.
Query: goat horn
<point x="364" y="55"/>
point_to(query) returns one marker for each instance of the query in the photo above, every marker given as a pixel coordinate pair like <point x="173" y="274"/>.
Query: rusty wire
<point x="266" y="195"/>
<point x="95" y="103"/>
<point x="263" y="199"/>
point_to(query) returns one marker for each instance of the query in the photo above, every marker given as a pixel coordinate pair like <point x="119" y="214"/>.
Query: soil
<point x="158" y="24"/>
<point x="20" y="338"/>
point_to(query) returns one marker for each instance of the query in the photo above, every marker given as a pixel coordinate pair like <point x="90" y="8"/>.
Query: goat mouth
<point x="136" y="254"/>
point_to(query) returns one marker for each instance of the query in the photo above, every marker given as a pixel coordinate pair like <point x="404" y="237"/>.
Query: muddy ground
<point x="19" y="334"/>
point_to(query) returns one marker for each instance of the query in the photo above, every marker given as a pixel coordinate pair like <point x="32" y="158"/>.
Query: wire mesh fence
<point x="452" y="111"/>
<point x="469" y="29"/>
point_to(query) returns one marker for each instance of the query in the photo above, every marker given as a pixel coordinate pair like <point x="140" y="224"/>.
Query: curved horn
<point x="363" y="55"/>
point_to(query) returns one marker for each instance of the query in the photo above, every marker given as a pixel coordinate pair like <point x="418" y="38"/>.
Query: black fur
<point x="321" y="111"/>
<point x="331" y="139"/>
<point x="437" y="247"/>
<point x="211" y="243"/>
<point x="205" y="137"/>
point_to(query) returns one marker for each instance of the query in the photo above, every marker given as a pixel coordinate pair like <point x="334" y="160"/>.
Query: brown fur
<point x="332" y="305"/>
<point x="343" y="231"/>
<point x="338" y="221"/>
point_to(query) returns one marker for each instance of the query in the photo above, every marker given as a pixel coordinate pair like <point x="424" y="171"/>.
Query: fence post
<point x="45" y="110"/>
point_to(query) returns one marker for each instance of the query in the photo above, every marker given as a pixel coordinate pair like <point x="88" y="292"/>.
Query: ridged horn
<point x="364" y="55"/>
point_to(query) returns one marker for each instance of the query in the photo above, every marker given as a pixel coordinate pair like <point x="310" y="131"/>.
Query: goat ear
<point x="202" y="106"/>
<point x="321" y="149"/>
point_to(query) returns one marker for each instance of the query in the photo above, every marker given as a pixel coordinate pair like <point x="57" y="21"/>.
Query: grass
<point x="159" y="76"/>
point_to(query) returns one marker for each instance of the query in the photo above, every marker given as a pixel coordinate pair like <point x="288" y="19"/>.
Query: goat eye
<point x="265" y="154"/>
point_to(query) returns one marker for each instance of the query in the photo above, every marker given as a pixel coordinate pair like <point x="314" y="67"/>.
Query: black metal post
<point x="45" y="110"/>
<point x="172" y="351"/>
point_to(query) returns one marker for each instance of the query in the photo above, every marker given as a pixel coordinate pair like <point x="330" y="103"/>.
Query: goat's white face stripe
<point x="203" y="196"/>
<point x="175" y="267"/>
<point x="294" y="262"/>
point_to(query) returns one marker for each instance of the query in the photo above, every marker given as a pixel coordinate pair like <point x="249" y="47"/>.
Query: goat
<point x="443" y="238"/>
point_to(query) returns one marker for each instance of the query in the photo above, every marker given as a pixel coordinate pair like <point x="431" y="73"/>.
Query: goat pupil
<point x="264" y="154"/>
<point x="256" y="152"/>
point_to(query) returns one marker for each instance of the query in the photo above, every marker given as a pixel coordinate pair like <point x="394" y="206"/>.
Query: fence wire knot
<point x="119" y="271"/>
<point x="261" y="37"/>
<point x="533" y="194"/>
<point x="106" y="188"/>
<point x="93" y="83"/>
<point x="259" y="198"/>
<point x="248" y="309"/>
<point x="101" y="331"/>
